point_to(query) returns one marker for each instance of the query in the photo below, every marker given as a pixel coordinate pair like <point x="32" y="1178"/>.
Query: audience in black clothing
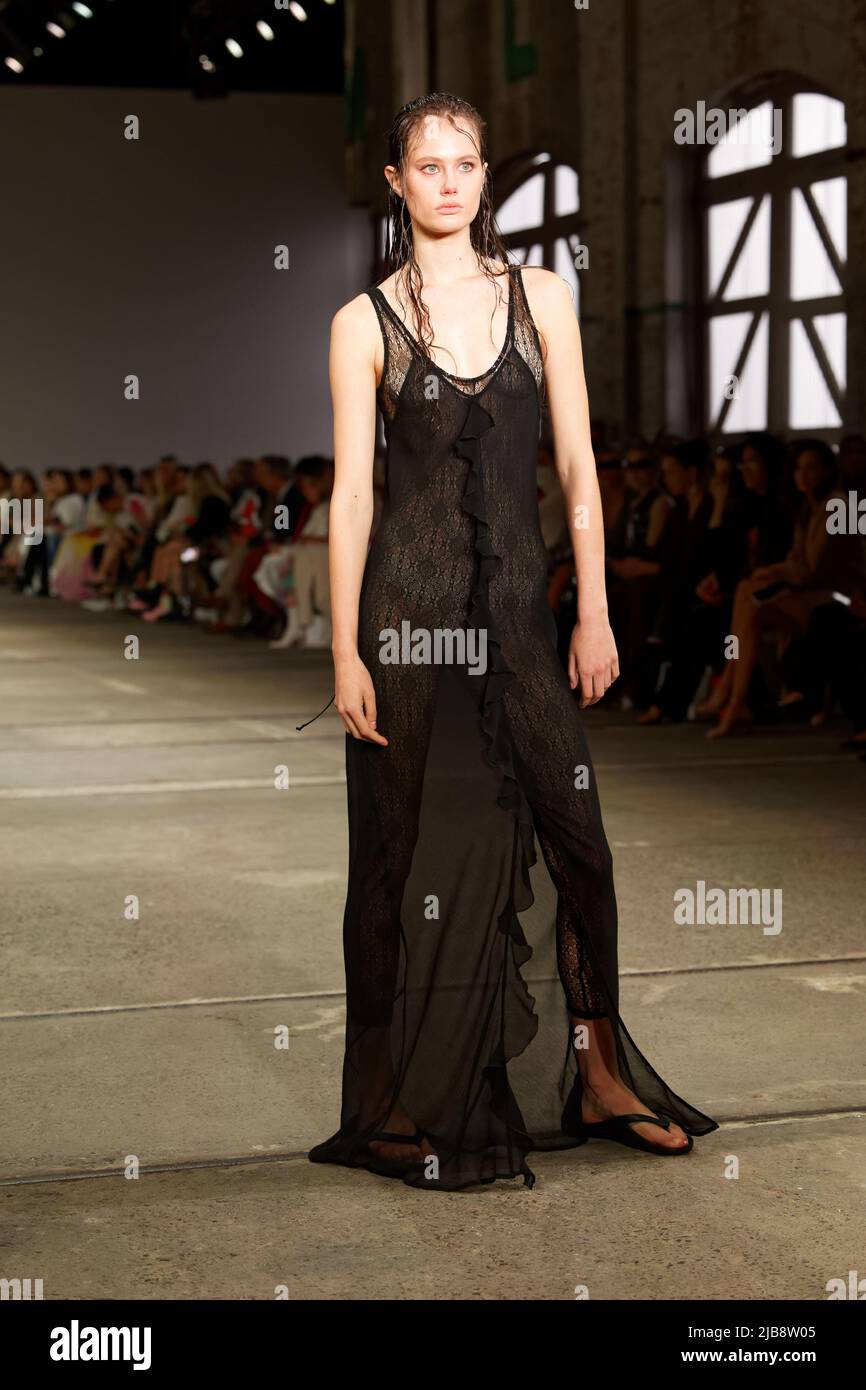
<point x="693" y="542"/>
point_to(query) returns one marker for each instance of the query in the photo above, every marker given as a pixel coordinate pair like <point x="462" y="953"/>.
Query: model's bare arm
<point x="592" y="658"/>
<point x="352" y="368"/>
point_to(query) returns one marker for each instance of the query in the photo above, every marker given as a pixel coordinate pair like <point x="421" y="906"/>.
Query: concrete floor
<point x="154" y="1037"/>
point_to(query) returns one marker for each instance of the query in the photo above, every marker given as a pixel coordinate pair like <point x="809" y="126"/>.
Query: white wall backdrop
<point x="156" y="257"/>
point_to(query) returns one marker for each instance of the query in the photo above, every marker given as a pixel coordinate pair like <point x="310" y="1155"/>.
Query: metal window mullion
<point x="778" y="336"/>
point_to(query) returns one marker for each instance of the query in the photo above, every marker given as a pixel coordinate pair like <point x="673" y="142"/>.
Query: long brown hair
<point x="484" y="235"/>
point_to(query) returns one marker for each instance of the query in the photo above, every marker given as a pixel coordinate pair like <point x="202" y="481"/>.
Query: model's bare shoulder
<point x="355" y="326"/>
<point x="356" y="339"/>
<point x="550" y="304"/>
<point x="546" y="290"/>
<point x="354" y="314"/>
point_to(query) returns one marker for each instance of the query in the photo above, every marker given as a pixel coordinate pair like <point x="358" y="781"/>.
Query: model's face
<point x="443" y="179"/>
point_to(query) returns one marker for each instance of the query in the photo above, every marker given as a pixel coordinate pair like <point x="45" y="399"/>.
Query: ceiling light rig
<point x="216" y="34"/>
<point x="23" y="25"/>
<point x="217" y="30"/>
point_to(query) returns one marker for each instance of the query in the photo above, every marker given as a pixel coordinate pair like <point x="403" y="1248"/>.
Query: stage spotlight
<point x="55" y="29"/>
<point x="234" y="48"/>
<point x="84" y="10"/>
<point x="297" y="10"/>
<point x="14" y="64"/>
<point x="206" y="63"/>
<point x="264" y="29"/>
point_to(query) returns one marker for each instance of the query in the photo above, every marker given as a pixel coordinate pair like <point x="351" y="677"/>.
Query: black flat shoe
<point x="388" y="1167"/>
<point x="618" y="1129"/>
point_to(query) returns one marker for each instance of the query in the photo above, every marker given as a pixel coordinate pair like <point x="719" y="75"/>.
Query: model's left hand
<point x="592" y="660"/>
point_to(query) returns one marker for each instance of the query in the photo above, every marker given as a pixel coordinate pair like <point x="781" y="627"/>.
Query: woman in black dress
<point x="464" y="743"/>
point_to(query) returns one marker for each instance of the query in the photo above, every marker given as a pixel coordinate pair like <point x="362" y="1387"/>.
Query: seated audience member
<point x="32" y="575"/>
<point x="84" y="484"/>
<point x="295" y="575"/>
<point x="72" y="572"/>
<point x="780" y="597"/>
<point x="23" y="494"/>
<point x="830" y="657"/>
<point x="199" y="514"/>
<point x="167" y="482"/>
<point x="633" y="539"/>
<point x="678" y="562"/>
<point x="246" y="610"/>
<point x="755" y="530"/>
<point x="698" y="642"/>
<point x="63" y="512"/>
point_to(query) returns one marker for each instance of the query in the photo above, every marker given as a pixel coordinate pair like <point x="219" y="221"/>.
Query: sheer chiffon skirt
<point x="457" y="997"/>
<point x="457" y="1013"/>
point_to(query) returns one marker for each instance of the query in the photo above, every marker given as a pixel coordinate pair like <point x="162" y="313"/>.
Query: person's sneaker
<point x="97" y="605"/>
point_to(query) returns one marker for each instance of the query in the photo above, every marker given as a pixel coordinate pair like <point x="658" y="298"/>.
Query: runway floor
<point x="146" y="1035"/>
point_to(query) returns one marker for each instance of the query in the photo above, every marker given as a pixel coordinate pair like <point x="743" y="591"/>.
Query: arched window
<point x="774" y="208"/>
<point x="537" y="206"/>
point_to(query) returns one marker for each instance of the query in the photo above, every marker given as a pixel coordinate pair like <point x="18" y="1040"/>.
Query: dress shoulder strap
<point x="526" y="334"/>
<point x="398" y="352"/>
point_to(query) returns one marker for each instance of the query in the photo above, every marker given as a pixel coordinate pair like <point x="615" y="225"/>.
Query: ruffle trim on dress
<point x="497" y="750"/>
<point x="497" y="743"/>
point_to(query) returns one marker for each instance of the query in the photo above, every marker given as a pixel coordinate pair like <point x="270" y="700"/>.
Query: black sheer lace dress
<point x="458" y="996"/>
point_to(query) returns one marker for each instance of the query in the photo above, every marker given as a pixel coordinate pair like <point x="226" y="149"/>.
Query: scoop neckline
<point x="452" y="376"/>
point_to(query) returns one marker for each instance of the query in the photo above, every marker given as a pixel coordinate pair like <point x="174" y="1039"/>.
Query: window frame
<point x="777" y="180"/>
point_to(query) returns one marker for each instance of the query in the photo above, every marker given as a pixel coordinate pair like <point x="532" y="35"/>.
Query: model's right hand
<point x="356" y="699"/>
